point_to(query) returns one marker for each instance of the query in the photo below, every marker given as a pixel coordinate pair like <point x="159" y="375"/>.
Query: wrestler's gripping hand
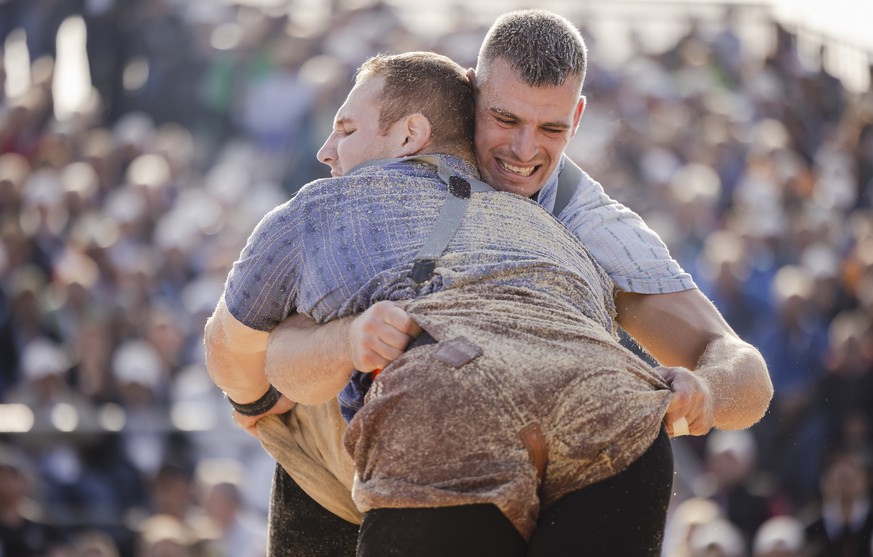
<point x="247" y="423"/>
<point x="379" y="336"/>
<point x="691" y="401"/>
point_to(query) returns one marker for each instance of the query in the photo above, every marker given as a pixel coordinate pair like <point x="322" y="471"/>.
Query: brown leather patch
<point x="456" y="352"/>
<point x="534" y="441"/>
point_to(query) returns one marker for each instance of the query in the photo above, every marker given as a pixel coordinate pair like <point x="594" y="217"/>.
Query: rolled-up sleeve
<point x="261" y="288"/>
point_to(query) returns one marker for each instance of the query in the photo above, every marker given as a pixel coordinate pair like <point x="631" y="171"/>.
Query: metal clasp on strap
<point x="422" y="270"/>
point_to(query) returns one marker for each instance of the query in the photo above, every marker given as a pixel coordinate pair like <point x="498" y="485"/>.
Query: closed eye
<point x="504" y="118"/>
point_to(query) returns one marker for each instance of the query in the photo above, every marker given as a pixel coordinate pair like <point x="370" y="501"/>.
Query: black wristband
<point x="258" y="407"/>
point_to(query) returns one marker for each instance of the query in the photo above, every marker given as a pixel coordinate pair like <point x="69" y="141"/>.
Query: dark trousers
<point x="300" y="527"/>
<point x="623" y="515"/>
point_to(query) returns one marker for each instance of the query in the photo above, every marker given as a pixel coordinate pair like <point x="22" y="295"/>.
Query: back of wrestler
<point x="513" y="284"/>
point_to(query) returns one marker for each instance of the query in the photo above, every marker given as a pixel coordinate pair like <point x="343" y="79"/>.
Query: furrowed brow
<point x="502" y="113"/>
<point x="556" y="125"/>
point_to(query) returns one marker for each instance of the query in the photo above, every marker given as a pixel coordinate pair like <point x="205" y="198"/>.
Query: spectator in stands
<point x="240" y="534"/>
<point x="785" y="139"/>
<point x="21" y="533"/>
<point x="845" y="525"/>
<point x="780" y="536"/>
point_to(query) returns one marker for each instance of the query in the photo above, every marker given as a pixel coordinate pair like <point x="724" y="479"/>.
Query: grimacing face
<point x="356" y="137"/>
<point x="522" y="131"/>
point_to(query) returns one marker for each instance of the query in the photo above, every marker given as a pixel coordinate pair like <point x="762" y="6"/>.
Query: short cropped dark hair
<point x="544" y="48"/>
<point x="432" y="85"/>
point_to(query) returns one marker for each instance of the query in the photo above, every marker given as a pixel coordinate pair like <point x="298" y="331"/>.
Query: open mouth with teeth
<point x="523" y="171"/>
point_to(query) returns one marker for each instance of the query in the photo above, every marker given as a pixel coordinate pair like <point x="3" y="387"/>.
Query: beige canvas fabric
<point x="307" y="443"/>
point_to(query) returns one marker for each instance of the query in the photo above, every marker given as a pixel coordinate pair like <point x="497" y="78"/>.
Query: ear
<point x="577" y="114"/>
<point x="416" y="132"/>
<point x="474" y="81"/>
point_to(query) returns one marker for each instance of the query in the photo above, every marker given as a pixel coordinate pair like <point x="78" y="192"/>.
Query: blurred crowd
<point x="120" y="217"/>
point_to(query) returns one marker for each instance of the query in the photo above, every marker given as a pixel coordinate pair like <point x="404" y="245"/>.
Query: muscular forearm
<point x="309" y="363"/>
<point x="235" y="356"/>
<point x="737" y="377"/>
<point x="312" y="363"/>
<point x="683" y="331"/>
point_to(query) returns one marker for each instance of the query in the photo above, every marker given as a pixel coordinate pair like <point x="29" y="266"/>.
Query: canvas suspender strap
<point x="568" y="183"/>
<point x="449" y="219"/>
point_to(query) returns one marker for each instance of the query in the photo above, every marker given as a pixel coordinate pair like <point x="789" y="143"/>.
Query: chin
<point x="518" y="189"/>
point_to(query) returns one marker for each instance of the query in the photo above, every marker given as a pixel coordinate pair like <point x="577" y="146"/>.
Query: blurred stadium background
<point x="140" y="141"/>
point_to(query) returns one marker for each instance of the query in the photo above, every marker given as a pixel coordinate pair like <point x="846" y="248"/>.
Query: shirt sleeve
<point x="631" y="253"/>
<point x="260" y="291"/>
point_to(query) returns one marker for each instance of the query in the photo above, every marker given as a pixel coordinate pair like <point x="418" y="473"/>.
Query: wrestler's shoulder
<point x="367" y="176"/>
<point x="335" y="187"/>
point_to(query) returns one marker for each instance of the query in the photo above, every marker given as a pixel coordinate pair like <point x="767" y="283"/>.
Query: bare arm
<point x="730" y="387"/>
<point x="308" y="362"/>
<point x="235" y="357"/>
<point x="311" y="363"/>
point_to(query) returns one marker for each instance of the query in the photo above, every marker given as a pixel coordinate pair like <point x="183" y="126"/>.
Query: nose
<point x="327" y="153"/>
<point x="524" y="143"/>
